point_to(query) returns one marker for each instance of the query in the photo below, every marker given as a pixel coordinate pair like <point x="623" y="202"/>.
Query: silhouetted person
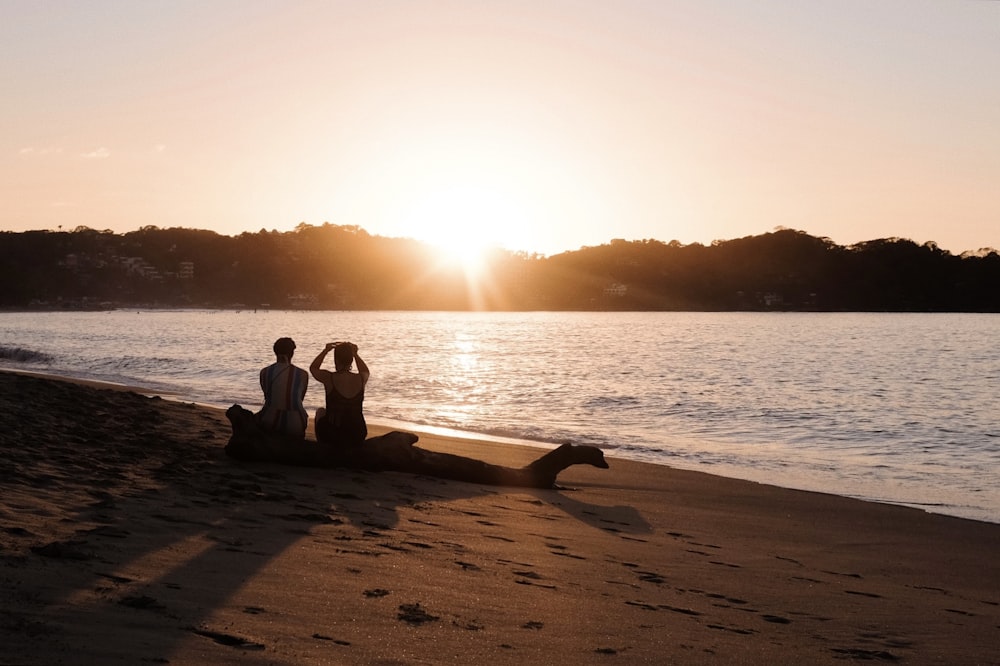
<point x="284" y="387"/>
<point x="342" y="422"/>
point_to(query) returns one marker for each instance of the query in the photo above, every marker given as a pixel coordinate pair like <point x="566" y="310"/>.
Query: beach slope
<point x="127" y="536"/>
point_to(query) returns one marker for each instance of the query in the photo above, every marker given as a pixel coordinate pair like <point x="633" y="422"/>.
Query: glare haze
<point x="540" y="125"/>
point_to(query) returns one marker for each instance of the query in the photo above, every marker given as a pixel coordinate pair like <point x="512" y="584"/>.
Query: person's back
<point x="284" y="387"/>
<point x="342" y="421"/>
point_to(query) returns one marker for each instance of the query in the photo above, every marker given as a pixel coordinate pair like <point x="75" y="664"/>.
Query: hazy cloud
<point x="47" y="150"/>
<point x="101" y="153"/>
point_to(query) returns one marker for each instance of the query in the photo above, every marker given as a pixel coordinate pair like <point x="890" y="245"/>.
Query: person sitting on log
<point x="284" y="386"/>
<point x="342" y="421"/>
<point x="395" y="452"/>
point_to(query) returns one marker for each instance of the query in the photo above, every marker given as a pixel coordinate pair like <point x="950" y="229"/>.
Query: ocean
<point x="897" y="408"/>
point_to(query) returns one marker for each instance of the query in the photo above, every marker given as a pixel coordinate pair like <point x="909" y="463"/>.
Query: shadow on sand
<point x="126" y="529"/>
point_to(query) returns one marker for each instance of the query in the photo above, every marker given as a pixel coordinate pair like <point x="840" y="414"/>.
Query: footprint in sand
<point x="526" y="578"/>
<point x="679" y="609"/>
<point x="959" y="612"/>
<point x="423" y="522"/>
<point x="64" y="550"/>
<point x="321" y="637"/>
<point x="870" y="595"/>
<point x="735" y="630"/>
<point x="497" y="537"/>
<point x="725" y="564"/>
<point x="787" y="559"/>
<point x="564" y="554"/>
<point x="418" y="544"/>
<point x="732" y="600"/>
<point x="415" y="614"/>
<point x="865" y="655"/>
<point x="705" y="545"/>
<point x="845" y="575"/>
<point x="142" y="602"/>
<point x="650" y="577"/>
<point x="775" y="619"/>
<point x="228" y="640"/>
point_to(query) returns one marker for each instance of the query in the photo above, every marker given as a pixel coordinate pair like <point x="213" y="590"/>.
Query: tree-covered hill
<point x="344" y="267"/>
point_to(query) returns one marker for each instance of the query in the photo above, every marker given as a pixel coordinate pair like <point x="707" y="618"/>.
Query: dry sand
<point x="127" y="536"/>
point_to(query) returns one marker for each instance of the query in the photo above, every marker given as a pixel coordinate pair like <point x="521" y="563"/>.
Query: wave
<point x="21" y="355"/>
<point x="613" y="401"/>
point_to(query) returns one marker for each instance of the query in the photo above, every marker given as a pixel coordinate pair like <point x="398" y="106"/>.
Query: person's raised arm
<point x="362" y="366"/>
<point x="314" y="367"/>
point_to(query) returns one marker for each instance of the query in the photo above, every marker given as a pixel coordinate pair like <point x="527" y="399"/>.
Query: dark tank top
<point x="344" y="422"/>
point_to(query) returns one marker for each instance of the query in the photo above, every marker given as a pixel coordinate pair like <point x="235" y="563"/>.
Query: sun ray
<point x="465" y="224"/>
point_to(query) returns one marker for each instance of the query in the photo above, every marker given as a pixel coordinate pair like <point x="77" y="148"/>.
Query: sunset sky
<point x="538" y="125"/>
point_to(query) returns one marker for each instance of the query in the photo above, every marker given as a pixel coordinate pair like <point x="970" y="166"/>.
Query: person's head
<point x="284" y="347"/>
<point x="343" y="356"/>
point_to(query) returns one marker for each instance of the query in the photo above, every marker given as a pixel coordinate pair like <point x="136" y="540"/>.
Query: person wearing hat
<point x="284" y="387"/>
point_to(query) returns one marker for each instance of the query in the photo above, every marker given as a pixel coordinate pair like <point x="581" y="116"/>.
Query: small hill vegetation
<point x="344" y="267"/>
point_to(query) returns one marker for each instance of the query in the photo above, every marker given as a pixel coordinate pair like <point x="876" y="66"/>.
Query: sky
<point x="537" y="125"/>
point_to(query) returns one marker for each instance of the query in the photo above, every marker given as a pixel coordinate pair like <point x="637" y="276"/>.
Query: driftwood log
<point x="395" y="451"/>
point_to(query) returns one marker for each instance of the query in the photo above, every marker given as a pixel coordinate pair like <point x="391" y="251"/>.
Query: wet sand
<point x="127" y="536"/>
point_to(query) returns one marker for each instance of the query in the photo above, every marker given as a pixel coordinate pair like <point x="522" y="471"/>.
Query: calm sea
<point x="899" y="408"/>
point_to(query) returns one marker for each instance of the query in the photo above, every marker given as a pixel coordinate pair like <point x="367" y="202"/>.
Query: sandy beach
<point x="127" y="536"/>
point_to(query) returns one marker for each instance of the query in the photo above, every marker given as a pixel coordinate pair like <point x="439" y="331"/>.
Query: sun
<point x="468" y="252"/>
<point x="464" y="223"/>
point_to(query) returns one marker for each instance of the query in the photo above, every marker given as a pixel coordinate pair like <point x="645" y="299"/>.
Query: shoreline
<point x="127" y="535"/>
<point x="378" y="425"/>
<point x="428" y="431"/>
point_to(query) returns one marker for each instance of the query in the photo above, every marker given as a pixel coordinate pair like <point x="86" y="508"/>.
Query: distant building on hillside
<point x="616" y="290"/>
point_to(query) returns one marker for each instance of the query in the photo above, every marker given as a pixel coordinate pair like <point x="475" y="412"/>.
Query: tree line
<point x="344" y="267"/>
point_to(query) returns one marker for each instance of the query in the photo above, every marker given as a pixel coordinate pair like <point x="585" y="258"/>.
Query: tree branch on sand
<point x="395" y="451"/>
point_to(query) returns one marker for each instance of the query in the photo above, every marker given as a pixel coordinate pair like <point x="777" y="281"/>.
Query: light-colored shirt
<point x="284" y="387"/>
